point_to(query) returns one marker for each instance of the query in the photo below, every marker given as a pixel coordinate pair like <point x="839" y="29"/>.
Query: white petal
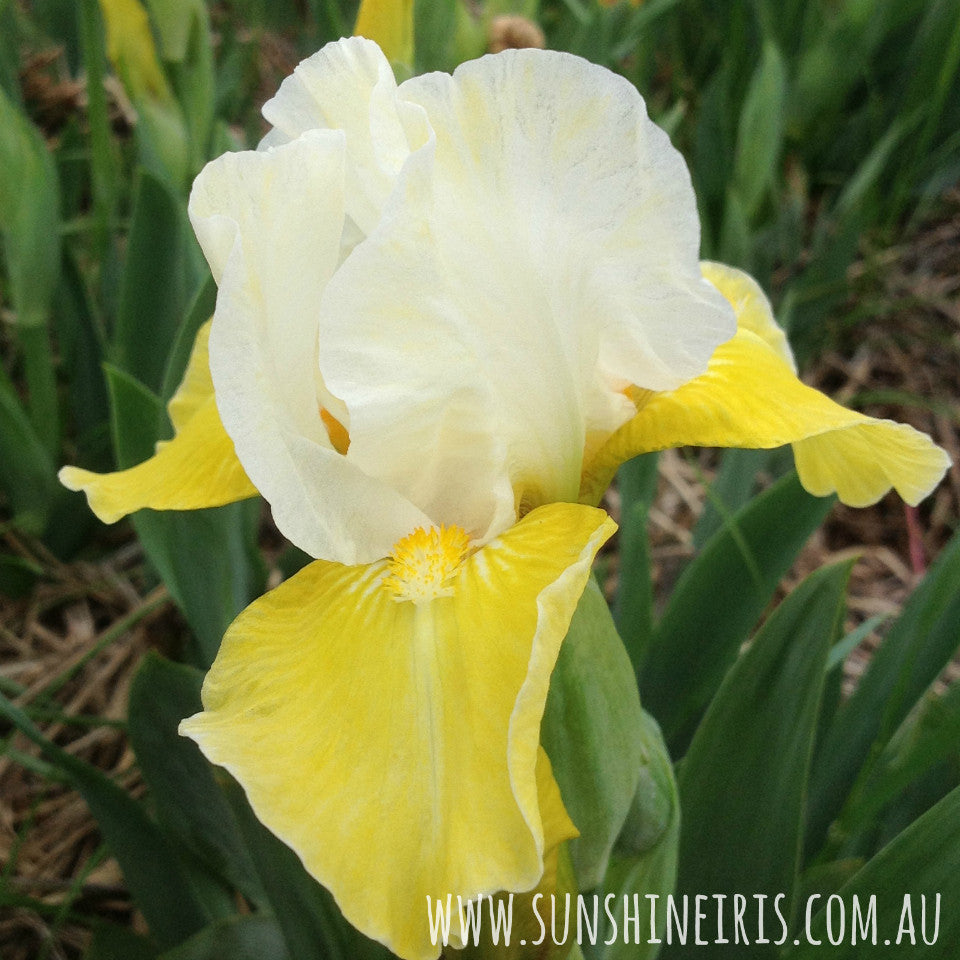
<point x="349" y="86"/>
<point x="270" y="224"/>
<point x="595" y="192"/>
<point x="536" y="258"/>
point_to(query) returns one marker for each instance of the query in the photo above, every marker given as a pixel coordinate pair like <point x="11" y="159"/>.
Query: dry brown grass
<point x="67" y="655"/>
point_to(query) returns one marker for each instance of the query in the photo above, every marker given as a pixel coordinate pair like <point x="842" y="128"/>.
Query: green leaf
<point x="633" y="611"/>
<point x="833" y="686"/>
<point x="207" y="558"/>
<point x="29" y="215"/>
<point x="844" y="647"/>
<point x="865" y="178"/>
<point x="26" y="470"/>
<point x="186" y="797"/>
<point x="645" y="861"/>
<point x="931" y="87"/>
<point x="592" y="733"/>
<point x="153" y="874"/>
<point x="160" y="129"/>
<point x="103" y="163"/>
<point x="185" y="44"/>
<point x="920" y="863"/>
<point x="833" y="63"/>
<point x="928" y="737"/>
<point x="823" y="285"/>
<point x="711" y="164"/>
<point x="732" y="487"/>
<point x="137" y="417"/>
<point x="209" y="562"/>
<point x="81" y="344"/>
<point x="174" y="20"/>
<point x="760" y="133"/>
<point x="735" y="237"/>
<point x="743" y="780"/>
<point x="152" y="297"/>
<point x="911" y="657"/>
<point x="719" y="597"/>
<point x="111" y="942"/>
<point x="239" y="938"/>
<point x="10" y="41"/>
<point x="30" y="230"/>
<point x="435" y="23"/>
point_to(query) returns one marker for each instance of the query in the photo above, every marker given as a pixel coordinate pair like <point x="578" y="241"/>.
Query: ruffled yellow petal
<point x="198" y="468"/>
<point x="750" y="306"/>
<point x="861" y="463"/>
<point x="750" y="397"/>
<point x="394" y="743"/>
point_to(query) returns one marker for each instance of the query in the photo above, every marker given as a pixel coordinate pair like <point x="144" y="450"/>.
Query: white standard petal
<point x="270" y="223"/>
<point x="349" y="85"/>
<point x="592" y="192"/>
<point x="537" y="257"/>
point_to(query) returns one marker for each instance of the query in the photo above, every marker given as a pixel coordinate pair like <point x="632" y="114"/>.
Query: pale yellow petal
<point x="394" y="745"/>
<point x="197" y="469"/>
<point x="539" y="253"/>
<point x="751" y="306"/>
<point x="348" y="85"/>
<point x="557" y="825"/>
<point x="862" y="462"/>
<point x="389" y="23"/>
<point x="750" y="398"/>
<point x="132" y="51"/>
<point x="197" y="385"/>
<point x="531" y="906"/>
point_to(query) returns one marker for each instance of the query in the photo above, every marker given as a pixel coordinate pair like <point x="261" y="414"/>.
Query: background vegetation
<point x="823" y="137"/>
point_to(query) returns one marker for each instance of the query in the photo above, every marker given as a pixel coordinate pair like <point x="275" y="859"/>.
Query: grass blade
<point x="920" y="863"/>
<point x="150" y="868"/>
<point x="185" y="794"/>
<point x="913" y="654"/>
<point x="760" y="731"/>
<point x="633" y="611"/>
<point x="719" y="597"/>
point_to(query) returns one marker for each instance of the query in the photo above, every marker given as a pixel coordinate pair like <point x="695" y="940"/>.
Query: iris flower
<point x="447" y="311"/>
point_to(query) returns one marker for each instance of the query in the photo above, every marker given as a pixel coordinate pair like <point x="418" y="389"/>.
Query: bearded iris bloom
<point x="447" y="311"/>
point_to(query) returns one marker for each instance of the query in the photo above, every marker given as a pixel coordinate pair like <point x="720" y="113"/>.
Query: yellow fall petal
<point x="556" y="822"/>
<point x="750" y="305"/>
<point x="196" y="387"/>
<point x="389" y="23"/>
<point x="861" y="463"/>
<point x="557" y="878"/>
<point x="394" y="744"/>
<point x="197" y="469"/>
<point x="750" y="397"/>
